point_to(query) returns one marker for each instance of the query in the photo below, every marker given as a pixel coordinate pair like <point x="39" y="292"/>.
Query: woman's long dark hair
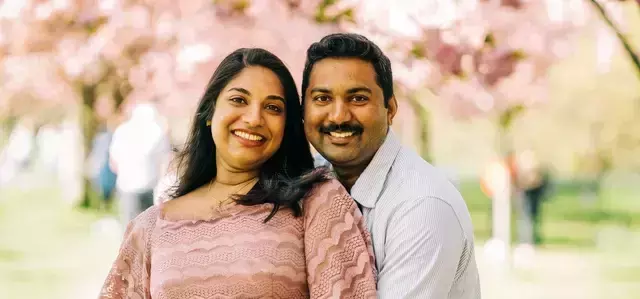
<point x="286" y="177"/>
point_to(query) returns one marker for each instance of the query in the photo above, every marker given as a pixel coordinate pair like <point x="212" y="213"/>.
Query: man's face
<point x="344" y="114"/>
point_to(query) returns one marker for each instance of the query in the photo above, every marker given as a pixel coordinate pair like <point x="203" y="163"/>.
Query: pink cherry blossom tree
<point x="73" y="56"/>
<point x="480" y="57"/>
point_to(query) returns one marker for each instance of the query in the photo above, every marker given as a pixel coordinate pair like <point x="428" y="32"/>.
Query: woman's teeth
<point x="247" y="136"/>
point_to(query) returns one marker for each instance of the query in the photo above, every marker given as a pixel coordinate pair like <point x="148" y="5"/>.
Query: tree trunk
<point x="89" y="125"/>
<point x="423" y="126"/>
<point x="623" y="39"/>
<point x="119" y="94"/>
<point x="6" y="127"/>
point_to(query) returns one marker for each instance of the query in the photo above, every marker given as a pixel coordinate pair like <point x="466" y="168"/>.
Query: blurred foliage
<point x="479" y="55"/>
<point x="486" y="58"/>
<point x="588" y="125"/>
<point x="630" y="51"/>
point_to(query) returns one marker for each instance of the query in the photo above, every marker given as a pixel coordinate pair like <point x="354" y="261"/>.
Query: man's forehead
<point x="344" y="65"/>
<point x="342" y="73"/>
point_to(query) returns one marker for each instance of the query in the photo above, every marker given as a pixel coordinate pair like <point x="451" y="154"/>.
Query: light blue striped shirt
<point x="420" y="226"/>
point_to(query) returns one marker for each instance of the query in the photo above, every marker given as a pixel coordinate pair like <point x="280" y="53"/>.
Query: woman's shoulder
<point x="328" y="193"/>
<point x="187" y="207"/>
<point x="145" y="221"/>
<point x="330" y="186"/>
<point x="149" y="215"/>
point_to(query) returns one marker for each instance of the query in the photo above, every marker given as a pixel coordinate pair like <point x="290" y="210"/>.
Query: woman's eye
<point x="238" y="100"/>
<point x="274" y="108"/>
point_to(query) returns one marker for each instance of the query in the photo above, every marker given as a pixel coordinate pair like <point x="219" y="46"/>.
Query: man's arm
<point x="424" y="243"/>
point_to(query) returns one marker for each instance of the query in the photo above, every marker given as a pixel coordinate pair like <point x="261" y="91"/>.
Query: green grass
<point x="589" y="250"/>
<point x="566" y="274"/>
<point x="568" y="219"/>
<point x="45" y="247"/>
<point x="48" y="250"/>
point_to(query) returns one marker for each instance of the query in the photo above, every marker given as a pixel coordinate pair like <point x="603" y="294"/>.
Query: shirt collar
<point x="369" y="185"/>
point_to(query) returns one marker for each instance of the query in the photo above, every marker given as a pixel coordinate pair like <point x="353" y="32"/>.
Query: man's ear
<point x="392" y="109"/>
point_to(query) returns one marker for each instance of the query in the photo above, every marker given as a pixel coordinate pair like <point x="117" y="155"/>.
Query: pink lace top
<point x="326" y="253"/>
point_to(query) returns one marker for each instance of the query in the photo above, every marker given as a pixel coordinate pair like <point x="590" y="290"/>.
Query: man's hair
<point x="350" y="45"/>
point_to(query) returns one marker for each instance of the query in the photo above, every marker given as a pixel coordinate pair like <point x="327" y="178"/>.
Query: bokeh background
<point x="480" y="83"/>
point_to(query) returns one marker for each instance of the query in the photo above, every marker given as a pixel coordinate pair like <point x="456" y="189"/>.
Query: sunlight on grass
<point x="44" y="251"/>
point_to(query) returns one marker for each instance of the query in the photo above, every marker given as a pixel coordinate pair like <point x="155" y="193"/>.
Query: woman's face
<point x="249" y="119"/>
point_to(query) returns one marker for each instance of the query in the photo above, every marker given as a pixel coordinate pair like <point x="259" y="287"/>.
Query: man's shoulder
<point x="415" y="181"/>
<point x="419" y="178"/>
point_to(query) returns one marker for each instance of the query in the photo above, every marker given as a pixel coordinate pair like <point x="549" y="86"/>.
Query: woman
<point x="249" y="217"/>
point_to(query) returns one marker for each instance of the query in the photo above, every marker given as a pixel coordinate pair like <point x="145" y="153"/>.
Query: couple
<point x="252" y="218"/>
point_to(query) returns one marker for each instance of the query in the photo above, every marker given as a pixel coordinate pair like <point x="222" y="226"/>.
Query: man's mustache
<point x="344" y="127"/>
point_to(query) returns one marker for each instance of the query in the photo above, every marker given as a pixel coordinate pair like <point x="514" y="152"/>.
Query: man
<point x="420" y="225"/>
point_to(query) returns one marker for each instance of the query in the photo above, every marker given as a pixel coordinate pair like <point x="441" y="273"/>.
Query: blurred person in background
<point x="421" y="228"/>
<point x="48" y="145"/>
<point x="250" y="217"/>
<point x="102" y="177"/>
<point x="15" y="157"/>
<point x="533" y="183"/>
<point x="138" y="150"/>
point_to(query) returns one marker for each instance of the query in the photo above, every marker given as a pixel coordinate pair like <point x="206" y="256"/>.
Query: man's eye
<point x="322" y="98"/>
<point x="359" y="99"/>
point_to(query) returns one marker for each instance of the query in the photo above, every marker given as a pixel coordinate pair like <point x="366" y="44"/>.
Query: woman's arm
<point x="339" y="254"/>
<point x="129" y="275"/>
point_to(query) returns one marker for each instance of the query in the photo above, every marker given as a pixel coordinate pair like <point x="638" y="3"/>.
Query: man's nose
<point x="340" y="113"/>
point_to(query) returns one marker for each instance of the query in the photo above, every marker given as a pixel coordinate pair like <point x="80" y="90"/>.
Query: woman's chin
<point x="247" y="164"/>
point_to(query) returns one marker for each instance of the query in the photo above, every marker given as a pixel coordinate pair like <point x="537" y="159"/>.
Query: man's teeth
<point x="341" y="134"/>
<point x="247" y="136"/>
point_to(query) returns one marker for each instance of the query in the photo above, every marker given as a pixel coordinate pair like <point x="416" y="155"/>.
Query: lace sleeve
<point x="338" y="250"/>
<point x="129" y="275"/>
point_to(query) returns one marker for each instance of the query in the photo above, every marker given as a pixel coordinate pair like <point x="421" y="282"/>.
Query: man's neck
<point x="349" y="175"/>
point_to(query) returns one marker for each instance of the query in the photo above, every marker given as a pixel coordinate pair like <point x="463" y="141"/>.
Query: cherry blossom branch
<point x="621" y="37"/>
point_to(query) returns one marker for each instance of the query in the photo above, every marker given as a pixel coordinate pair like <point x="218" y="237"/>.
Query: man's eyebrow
<point x="359" y="89"/>
<point x="320" y="89"/>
